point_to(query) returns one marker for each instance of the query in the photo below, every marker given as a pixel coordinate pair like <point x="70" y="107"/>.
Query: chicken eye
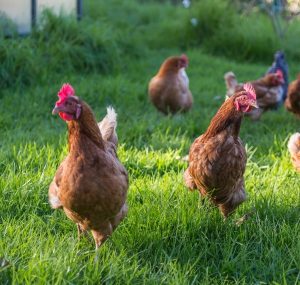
<point x="243" y="99"/>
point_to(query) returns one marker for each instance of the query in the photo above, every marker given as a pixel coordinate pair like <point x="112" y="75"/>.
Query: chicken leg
<point x="80" y="231"/>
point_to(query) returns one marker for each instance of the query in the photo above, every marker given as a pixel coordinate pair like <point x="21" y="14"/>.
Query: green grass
<point x="167" y="237"/>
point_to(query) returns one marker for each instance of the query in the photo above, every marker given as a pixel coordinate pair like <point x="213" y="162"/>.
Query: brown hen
<point x="169" y="89"/>
<point x="90" y="184"/>
<point x="292" y="102"/>
<point x="217" y="159"/>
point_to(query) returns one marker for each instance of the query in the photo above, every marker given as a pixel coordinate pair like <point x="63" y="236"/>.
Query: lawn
<point x="168" y="237"/>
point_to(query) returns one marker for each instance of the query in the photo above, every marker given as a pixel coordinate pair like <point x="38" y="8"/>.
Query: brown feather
<point x="169" y="89"/>
<point x="91" y="182"/>
<point x="217" y="160"/>
<point x="292" y="102"/>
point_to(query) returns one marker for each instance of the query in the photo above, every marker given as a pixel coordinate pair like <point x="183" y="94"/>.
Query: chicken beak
<point x="56" y="110"/>
<point x="254" y="104"/>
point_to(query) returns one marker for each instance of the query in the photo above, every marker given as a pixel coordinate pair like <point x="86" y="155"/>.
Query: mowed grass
<point x="168" y="237"/>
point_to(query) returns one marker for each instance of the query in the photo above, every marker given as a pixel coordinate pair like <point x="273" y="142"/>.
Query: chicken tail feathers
<point x="189" y="181"/>
<point x="294" y="149"/>
<point x="108" y="126"/>
<point x="53" y="197"/>
<point x="231" y="83"/>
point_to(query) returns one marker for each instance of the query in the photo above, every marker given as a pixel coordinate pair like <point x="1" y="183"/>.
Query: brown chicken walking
<point x="90" y="184"/>
<point x="217" y="159"/>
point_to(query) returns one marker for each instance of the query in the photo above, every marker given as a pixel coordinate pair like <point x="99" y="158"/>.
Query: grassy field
<point x="168" y="237"/>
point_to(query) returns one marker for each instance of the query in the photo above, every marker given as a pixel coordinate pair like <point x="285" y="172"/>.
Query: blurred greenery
<point x="127" y="29"/>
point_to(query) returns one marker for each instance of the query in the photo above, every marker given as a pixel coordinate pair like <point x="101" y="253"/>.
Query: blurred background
<point x="90" y="35"/>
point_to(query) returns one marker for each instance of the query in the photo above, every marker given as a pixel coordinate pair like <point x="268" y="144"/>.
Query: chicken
<point x="268" y="90"/>
<point x="294" y="149"/>
<point x="292" y="102"/>
<point x="91" y="184"/>
<point x="217" y="159"/>
<point x="169" y="89"/>
<point x="281" y="64"/>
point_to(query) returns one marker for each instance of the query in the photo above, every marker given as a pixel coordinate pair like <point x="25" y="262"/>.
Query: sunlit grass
<point x="168" y="236"/>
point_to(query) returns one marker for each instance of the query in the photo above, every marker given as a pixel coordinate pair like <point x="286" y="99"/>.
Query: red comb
<point x="279" y="73"/>
<point x="184" y="57"/>
<point x="251" y="92"/>
<point x="65" y="91"/>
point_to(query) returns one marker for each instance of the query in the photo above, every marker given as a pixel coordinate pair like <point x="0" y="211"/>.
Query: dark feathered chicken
<point x="217" y="159"/>
<point x="281" y="64"/>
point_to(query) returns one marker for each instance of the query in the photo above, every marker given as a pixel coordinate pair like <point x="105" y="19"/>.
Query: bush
<point x="111" y="34"/>
<point x="222" y="30"/>
<point x="150" y="25"/>
<point x="7" y="26"/>
<point x="212" y="16"/>
<point x="62" y="45"/>
<point x="251" y="38"/>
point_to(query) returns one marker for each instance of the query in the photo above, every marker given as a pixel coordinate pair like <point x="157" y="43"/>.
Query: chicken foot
<point x="80" y="231"/>
<point x="107" y="229"/>
<point x="101" y="235"/>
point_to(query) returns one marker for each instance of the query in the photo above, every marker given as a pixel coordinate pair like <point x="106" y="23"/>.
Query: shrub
<point x="62" y="45"/>
<point x="222" y="30"/>
<point x="111" y="34"/>
<point x="8" y="27"/>
<point x="212" y="16"/>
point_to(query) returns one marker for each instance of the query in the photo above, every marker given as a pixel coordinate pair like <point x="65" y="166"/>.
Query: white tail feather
<point x="108" y="125"/>
<point x="231" y="83"/>
<point x="53" y="197"/>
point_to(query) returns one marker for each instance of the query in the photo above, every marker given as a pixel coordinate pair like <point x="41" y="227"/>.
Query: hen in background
<point x="292" y="102"/>
<point x="217" y="159"/>
<point x="294" y="149"/>
<point x="268" y="90"/>
<point x="281" y="64"/>
<point x="169" y="89"/>
<point x="90" y="184"/>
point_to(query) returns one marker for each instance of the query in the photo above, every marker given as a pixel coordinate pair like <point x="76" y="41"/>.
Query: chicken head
<point x="68" y="106"/>
<point x="245" y="100"/>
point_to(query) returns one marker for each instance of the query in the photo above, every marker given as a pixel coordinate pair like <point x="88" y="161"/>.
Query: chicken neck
<point x="227" y="118"/>
<point x="84" y="128"/>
